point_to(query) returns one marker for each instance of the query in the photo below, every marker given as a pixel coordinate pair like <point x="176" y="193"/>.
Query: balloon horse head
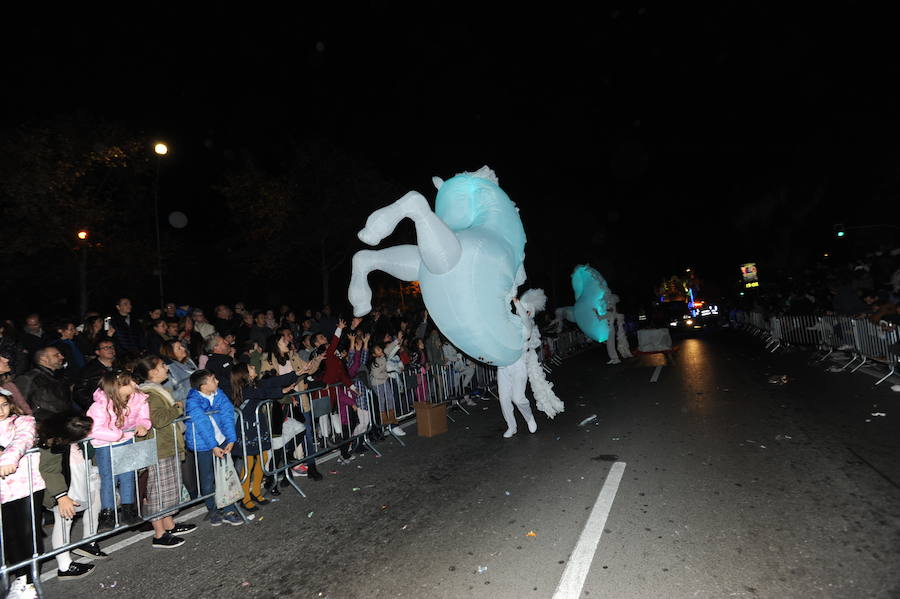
<point x="469" y="262"/>
<point x="591" y="297"/>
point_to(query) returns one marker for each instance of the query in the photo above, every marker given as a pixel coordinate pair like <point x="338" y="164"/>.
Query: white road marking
<point x="656" y="372"/>
<point x="572" y="581"/>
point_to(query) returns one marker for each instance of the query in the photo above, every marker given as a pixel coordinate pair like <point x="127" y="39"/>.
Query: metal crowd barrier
<point x="322" y="435"/>
<point x="867" y="342"/>
<point x="33" y="563"/>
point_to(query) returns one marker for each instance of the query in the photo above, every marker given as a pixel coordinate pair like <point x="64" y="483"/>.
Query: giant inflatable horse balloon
<point x="469" y="262"/>
<point x="591" y="295"/>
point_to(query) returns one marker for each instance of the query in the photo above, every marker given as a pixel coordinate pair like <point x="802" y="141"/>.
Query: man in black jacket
<point x="129" y="335"/>
<point x="46" y="393"/>
<point x="220" y="361"/>
<point x="105" y="352"/>
<point x="226" y="322"/>
<point x="34" y="337"/>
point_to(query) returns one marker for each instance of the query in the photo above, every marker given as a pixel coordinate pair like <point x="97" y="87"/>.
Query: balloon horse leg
<point x="511" y="382"/>
<point x="438" y="248"/>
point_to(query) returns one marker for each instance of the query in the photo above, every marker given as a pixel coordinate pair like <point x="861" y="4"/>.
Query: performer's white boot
<point x="525" y="409"/>
<point x="611" y="347"/>
<point x="511" y="382"/>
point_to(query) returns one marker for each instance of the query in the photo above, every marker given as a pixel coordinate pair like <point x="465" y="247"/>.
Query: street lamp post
<point x="161" y="150"/>
<point x="83" y="245"/>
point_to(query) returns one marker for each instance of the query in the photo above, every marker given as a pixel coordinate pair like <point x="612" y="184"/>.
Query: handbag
<point x="84" y="477"/>
<point x="228" y="483"/>
<point x="290" y="429"/>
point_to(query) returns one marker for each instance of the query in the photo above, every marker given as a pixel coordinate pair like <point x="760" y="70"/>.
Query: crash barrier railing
<point x="132" y="456"/>
<point x="867" y="342"/>
<point x="560" y="346"/>
<point x="327" y="419"/>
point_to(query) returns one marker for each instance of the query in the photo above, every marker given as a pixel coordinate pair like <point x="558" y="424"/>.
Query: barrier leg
<point x="889" y="374"/>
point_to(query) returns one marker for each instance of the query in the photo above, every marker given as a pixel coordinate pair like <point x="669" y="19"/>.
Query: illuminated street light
<point x="161" y="150"/>
<point x="82" y="247"/>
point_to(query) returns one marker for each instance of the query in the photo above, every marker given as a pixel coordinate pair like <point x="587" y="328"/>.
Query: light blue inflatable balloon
<point x="591" y="293"/>
<point x="469" y="262"/>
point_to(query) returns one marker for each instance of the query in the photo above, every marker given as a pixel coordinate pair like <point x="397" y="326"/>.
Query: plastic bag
<point x="228" y="483"/>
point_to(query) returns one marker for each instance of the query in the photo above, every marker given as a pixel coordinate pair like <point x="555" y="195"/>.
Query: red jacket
<point x="335" y="369"/>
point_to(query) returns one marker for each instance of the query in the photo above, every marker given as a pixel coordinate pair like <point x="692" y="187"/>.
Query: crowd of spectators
<point x="173" y="369"/>
<point x="867" y="286"/>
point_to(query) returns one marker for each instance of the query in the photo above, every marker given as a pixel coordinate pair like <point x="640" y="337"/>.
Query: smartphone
<point x="106" y="323"/>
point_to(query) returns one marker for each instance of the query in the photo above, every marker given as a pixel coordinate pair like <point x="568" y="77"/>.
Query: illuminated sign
<point x="749" y="272"/>
<point x="753" y="284"/>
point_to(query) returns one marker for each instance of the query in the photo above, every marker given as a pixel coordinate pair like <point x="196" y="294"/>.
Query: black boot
<point x="106" y="520"/>
<point x="312" y="472"/>
<point x="129" y="516"/>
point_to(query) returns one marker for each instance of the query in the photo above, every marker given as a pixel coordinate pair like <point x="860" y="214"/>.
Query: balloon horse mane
<point x="591" y="296"/>
<point x="469" y="262"/>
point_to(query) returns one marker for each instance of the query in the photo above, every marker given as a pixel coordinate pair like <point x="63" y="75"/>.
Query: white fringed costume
<point x="512" y="379"/>
<point x="617" y="338"/>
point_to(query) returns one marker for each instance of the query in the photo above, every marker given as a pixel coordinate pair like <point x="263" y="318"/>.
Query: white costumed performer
<point x="617" y="338"/>
<point x="512" y="379"/>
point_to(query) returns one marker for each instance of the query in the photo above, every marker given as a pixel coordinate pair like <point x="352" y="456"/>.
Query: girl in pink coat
<point x="120" y="411"/>
<point x="21" y="489"/>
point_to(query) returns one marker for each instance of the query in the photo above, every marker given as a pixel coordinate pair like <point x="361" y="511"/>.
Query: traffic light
<point x="839" y="231"/>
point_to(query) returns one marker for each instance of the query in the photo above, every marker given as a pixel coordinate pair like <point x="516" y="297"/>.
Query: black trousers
<point x="17" y="531"/>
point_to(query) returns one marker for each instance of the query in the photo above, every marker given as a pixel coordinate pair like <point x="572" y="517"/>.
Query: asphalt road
<point x="732" y="487"/>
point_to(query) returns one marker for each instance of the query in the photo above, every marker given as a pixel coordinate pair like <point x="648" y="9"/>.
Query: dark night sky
<point x="641" y="140"/>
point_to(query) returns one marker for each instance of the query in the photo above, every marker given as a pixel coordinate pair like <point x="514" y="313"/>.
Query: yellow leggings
<point x="253" y="482"/>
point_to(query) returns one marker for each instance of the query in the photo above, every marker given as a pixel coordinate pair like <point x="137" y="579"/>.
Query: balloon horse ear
<point x="437" y="182"/>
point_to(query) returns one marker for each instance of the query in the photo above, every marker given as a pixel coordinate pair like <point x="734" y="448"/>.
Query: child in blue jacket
<point x="210" y="436"/>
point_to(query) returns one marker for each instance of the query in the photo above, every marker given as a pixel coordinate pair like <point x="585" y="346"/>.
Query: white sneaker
<point x="532" y="426"/>
<point x="468" y="401"/>
<point x="398" y="431"/>
<point x="614" y="362"/>
<point x="509" y="433"/>
<point x="22" y="589"/>
<point x="17" y="586"/>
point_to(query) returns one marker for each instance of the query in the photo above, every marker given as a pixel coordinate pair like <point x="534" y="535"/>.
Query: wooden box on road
<point x="431" y="418"/>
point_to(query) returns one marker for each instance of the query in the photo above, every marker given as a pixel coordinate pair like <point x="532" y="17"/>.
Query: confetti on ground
<point x="309" y="515"/>
<point x="482" y="569"/>
<point x="507" y="492"/>
<point x="404" y="527"/>
<point x="531" y="533"/>
<point x="245" y="584"/>
<point x="332" y="472"/>
<point x="356" y="488"/>
<point x="879" y="414"/>
<point x="384" y="507"/>
<point x="590" y="418"/>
